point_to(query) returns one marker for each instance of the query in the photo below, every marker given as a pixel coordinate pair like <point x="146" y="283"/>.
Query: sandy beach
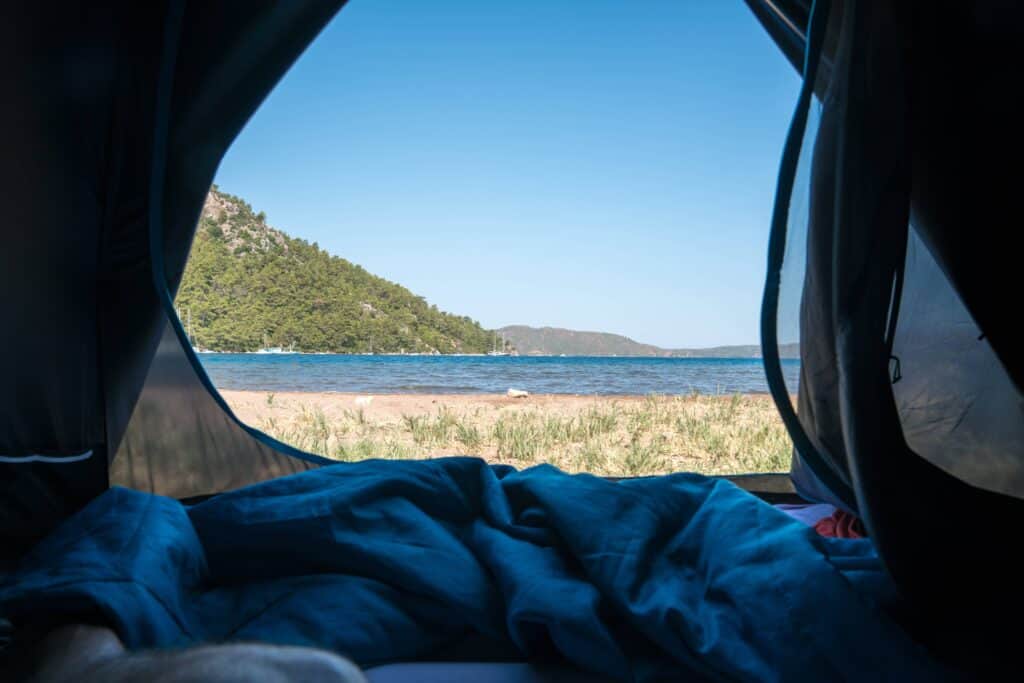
<point x="606" y="435"/>
<point x="253" y="406"/>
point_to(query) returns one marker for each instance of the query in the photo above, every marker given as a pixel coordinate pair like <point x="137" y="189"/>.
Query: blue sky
<point x="600" y="165"/>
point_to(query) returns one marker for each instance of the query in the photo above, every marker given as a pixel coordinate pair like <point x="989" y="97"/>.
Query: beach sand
<point x="253" y="406"/>
<point x="606" y="435"/>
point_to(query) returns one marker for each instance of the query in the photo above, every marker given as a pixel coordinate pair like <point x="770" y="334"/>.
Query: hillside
<point x="248" y="285"/>
<point x="554" y="341"/>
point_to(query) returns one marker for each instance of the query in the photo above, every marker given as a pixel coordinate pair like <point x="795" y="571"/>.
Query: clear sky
<point x="602" y="165"/>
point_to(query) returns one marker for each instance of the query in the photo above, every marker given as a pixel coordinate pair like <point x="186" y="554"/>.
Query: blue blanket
<point x="664" y="578"/>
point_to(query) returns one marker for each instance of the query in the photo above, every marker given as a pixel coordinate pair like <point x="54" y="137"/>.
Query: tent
<point x="891" y="261"/>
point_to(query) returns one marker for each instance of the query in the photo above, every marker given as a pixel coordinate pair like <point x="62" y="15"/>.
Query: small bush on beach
<point x="468" y="436"/>
<point x="519" y="437"/>
<point x="642" y="457"/>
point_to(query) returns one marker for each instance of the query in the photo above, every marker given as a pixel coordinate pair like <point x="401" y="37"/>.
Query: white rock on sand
<point x="517" y="393"/>
<point x="363" y="400"/>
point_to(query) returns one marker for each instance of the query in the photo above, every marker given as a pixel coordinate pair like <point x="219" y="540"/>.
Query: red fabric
<point x="841" y="524"/>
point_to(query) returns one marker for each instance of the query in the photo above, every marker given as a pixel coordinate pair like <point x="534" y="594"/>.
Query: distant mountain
<point x="555" y="341"/>
<point x="248" y="285"/>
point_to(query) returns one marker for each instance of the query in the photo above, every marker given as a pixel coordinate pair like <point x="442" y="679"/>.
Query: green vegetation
<point x="248" y="285"/>
<point x="610" y="437"/>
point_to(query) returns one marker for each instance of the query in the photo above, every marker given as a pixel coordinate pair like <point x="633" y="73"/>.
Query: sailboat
<point x="496" y="352"/>
<point x="190" y="333"/>
<point x="274" y="349"/>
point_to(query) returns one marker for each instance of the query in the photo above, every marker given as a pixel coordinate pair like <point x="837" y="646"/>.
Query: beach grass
<point x="609" y="437"/>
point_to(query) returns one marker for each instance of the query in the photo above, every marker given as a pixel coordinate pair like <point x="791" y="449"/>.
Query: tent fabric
<point x="786" y="21"/>
<point x="819" y="464"/>
<point x="176" y="414"/>
<point x="958" y="408"/>
<point x="904" y="158"/>
<point x="647" y="580"/>
<point x="115" y="117"/>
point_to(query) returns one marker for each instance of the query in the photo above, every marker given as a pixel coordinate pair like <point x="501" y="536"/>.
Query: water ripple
<point x="489" y="374"/>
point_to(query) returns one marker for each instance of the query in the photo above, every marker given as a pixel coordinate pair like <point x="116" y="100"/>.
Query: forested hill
<point x="248" y="285"/>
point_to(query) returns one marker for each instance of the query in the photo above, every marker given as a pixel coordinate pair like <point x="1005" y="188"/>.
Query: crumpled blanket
<point x="669" y="578"/>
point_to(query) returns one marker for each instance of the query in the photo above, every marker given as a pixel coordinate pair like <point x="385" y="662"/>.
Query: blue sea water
<point x="489" y="374"/>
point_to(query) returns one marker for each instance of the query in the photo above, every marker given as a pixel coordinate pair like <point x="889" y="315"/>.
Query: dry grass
<point x="611" y="437"/>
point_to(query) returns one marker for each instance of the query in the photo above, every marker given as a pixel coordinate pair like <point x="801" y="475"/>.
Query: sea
<point x="395" y="374"/>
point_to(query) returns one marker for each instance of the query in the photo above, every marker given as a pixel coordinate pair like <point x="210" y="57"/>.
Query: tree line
<point x="247" y="286"/>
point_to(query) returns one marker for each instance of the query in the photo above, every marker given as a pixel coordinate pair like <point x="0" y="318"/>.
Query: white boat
<point x="275" y="349"/>
<point x="190" y="333"/>
<point x="496" y="352"/>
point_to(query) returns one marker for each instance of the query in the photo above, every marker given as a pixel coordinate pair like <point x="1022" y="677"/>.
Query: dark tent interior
<point x="131" y="495"/>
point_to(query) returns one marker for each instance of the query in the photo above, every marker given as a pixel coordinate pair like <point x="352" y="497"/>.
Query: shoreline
<point x="240" y="393"/>
<point x="246" y="397"/>
<point x="206" y="352"/>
